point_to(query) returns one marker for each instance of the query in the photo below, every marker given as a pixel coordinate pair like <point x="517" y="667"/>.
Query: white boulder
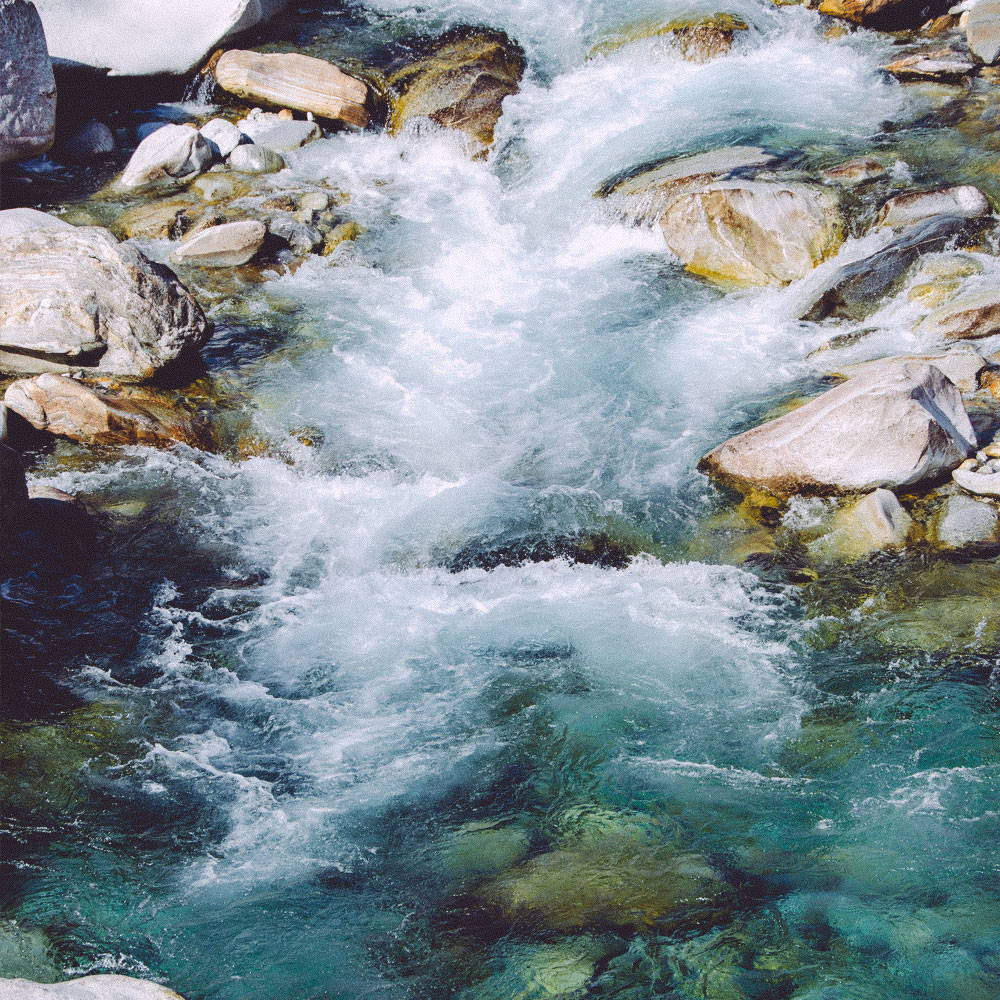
<point x="173" y="151"/>
<point x="15" y="221"/>
<point x="964" y="202"/>
<point x="876" y="522"/>
<point x="222" y="136"/>
<point x="228" y="245"/>
<point x="277" y="133"/>
<point x="982" y="30"/>
<point x="87" y="988"/>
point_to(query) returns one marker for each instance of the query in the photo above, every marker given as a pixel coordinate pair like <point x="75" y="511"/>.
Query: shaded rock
<point x="753" y="232"/>
<point x="87" y="988"/>
<point x="961" y="366"/>
<point x="277" y="133"/>
<point x="77" y="297"/>
<point x="92" y="140"/>
<point x="301" y="237"/>
<point x="13" y="488"/>
<point x="885" y="15"/>
<point x="291" y="80"/>
<point x="854" y="172"/>
<point x="144" y="39"/>
<point x="982" y="30"/>
<point x="15" y="221"/>
<point x="156" y="219"/>
<point x="976" y="314"/>
<point x="941" y="65"/>
<point x="252" y="159"/>
<point x="881" y="429"/>
<point x="222" y="136"/>
<point x="965" y="521"/>
<point x="964" y="202"/>
<point x="27" y="85"/>
<point x="876" y="522"/>
<point x="460" y="85"/>
<point x="65" y="407"/>
<point x="171" y="152"/>
<point x="980" y="477"/>
<point x="855" y="290"/>
<point x="228" y="245"/>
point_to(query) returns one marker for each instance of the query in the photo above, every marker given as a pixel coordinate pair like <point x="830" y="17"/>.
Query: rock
<point x="27" y="85"/>
<point x="228" y="245"/>
<point x="171" y="152"/>
<point x="252" y="159"/>
<point x="965" y="202"/>
<point x="314" y="201"/>
<point x="280" y="134"/>
<point x="478" y="849"/>
<point x="222" y="136"/>
<point x="92" y="140"/>
<point x="146" y="39"/>
<point x="876" y="522"/>
<point x="979" y="477"/>
<point x="752" y="232"/>
<point x="885" y="15"/>
<point x="938" y="276"/>
<point x="854" y="172"/>
<point x="554" y="971"/>
<point x="699" y="39"/>
<point x="87" y="988"/>
<point x="346" y="232"/>
<point x="460" y="85"/>
<point x="976" y="314"/>
<point x="982" y="31"/>
<point x="78" y="298"/>
<point x="291" y="80"/>
<point x="855" y="290"/>
<point x="880" y="429"/>
<point x="65" y="407"/>
<point x="301" y="237"/>
<point x="965" y="521"/>
<point x="156" y="220"/>
<point x="15" y="221"/>
<point x="941" y="65"/>
<point x="961" y="366"/>
<point x="213" y="187"/>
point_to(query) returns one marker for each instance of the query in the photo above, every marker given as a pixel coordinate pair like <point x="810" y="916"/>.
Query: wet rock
<point x="854" y="172"/>
<point x="291" y="80"/>
<point x="346" y="232"/>
<point x="881" y="429"/>
<point x="855" y="290"/>
<point x="460" y="85"/>
<point x="964" y="202"/>
<point x="156" y="220"/>
<point x="941" y="65"/>
<point x="15" y="221"/>
<point x="222" y="136"/>
<point x="965" y="521"/>
<point x="172" y="152"/>
<point x="301" y="237"/>
<point x="962" y="366"/>
<point x="937" y="277"/>
<point x="228" y="245"/>
<point x="314" y="201"/>
<point x="979" y="476"/>
<point x="876" y="522"/>
<point x="699" y="39"/>
<point x="976" y="314"/>
<point x="145" y="39"/>
<point x="87" y="988"/>
<point x="27" y="85"/>
<point x="885" y="15"/>
<point x="753" y="232"/>
<point x="280" y="134"/>
<point x="982" y="30"/>
<point x="63" y="406"/>
<point x="558" y="970"/>
<point x="92" y="140"/>
<point x="78" y="299"/>
<point x="479" y="849"/>
<point x="252" y="159"/>
<point x="213" y="187"/>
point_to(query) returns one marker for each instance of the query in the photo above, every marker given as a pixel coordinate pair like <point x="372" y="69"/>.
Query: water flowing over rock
<point x="976" y="314"/>
<point x="171" y="152"/>
<point x="852" y="173"/>
<point x="885" y="15"/>
<point x="964" y="202"/>
<point x="27" y="85"/>
<point x="87" y="988"/>
<point x="982" y="30"/>
<point x="65" y="407"/>
<point x="881" y="429"/>
<point x="77" y="299"/>
<point x="291" y="80"/>
<point x="753" y="232"/>
<point x="698" y="39"/>
<point x="144" y="39"/>
<point x="460" y="85"/>
<point x="228" y="245"/>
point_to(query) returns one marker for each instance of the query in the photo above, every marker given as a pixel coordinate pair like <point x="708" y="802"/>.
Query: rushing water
<point x="320" y="709"/>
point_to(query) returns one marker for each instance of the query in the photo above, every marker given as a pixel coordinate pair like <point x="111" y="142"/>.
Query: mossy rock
<point x="699" y="38"/>
<point x="479" y="849"/>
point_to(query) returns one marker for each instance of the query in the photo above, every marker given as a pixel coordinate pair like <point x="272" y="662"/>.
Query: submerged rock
<point x="976" y="314"/>
<point x="172" y="152"/>
<point x="27" y="85"/>
<point x="881" y="429"/>
<point x="292" y="80"/>
<point x="876" y="522"/>
<point x="753" y="232"/>
<point x="65" y="407"/>
<point x="963" y="202"/>
<point x="155" y="220"/>
<point x="558" y="970"/>
<point x="77" y="299"/>
<point x="885" y="15"/>
<point x="87" y="988"/>
<point x="982" y="30"/>
<point x="460" y="85"/>
<point x="228" y="245"/>
<point x="966" y="521"/>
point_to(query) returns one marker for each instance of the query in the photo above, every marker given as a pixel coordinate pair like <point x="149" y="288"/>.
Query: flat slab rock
<point x="87" y="988"/>
<point x="229" y="245"/>
<point x="881" y="429"/>
<point x="969" y="316"/>
<point x="963" y="202"/>
<point x="942" y="65"/>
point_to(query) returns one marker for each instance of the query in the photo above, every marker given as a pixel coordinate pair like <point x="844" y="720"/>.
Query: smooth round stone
<point x="222" y="136"/>
<point x="253" y="159"/>
<point x="228" y="245"/>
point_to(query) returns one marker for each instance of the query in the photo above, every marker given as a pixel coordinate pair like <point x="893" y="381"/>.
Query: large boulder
<point x="65" y="407"/>
<point x="982" y="30"/>
<point x="291" y="80"/>
<point x="144" y="39"/>
<point x="461" y="84"/>
<point x="753" y="232"/>
<point x="87" y="988"/>
<point x="27" y="86"/>
<point x="171" y="153"/>
<point x="961" y="365"/>
<point x="15" y="221"/>
<point x="78" y="300"/>
<point x="885" y="15"/>
<point x="881" y="429"/>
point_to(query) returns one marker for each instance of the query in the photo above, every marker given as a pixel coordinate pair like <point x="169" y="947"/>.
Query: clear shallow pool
<point x="321" y="740"/>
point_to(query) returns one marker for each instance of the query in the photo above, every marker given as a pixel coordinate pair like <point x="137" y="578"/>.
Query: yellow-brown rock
<point x="290" y="80"/>
<point x="698" y="39"/>
<point x="885" y="15"/>
<point x="155" y="220"/>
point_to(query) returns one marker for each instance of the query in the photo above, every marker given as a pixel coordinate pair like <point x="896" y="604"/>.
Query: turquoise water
<point x="322" y="732"/>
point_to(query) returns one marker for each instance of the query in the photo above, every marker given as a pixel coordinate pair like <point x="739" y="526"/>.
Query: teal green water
<point x="306" y="733"/>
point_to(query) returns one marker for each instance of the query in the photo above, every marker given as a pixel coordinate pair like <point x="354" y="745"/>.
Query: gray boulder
<point x="15" y="221"/>
<point x="222" y="136"/>
<point x="961" y="365"/>
<point x="252" y="159"/>
<point x="872" y="524"/>
<point x="87" y="988"/>
<point x="965" y="521"/>
<point x="172" y="152"/>
<point x="881" y="429"/>
<point x="27" y="86"/>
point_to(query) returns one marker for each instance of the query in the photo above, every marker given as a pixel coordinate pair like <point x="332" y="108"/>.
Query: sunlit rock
<point x="975" y="314"/>
<point x="939" y="276"/>
<point x="965" y="521"/>
<point x="222" y="136"/>
<point x="941" y="65"/>
<point x="961" y="365"/>
<point x="753" y="232"/>
<point x="979" y="477"/>
<point x="228" y="245"/>
<point x="982" y="30"/>
<point x="87" y="988"/>
<point x="169" y="218"/>
<point x="876" y="522"/>
<point x="881" y="429"/>
<point x="253" y="159"/>
<point x="698" y="39"/>
<point x="173" y="152"/>
<point x="963" y="202"/>
<point x="15" y="221"/>
<point x="280" y="134"/>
